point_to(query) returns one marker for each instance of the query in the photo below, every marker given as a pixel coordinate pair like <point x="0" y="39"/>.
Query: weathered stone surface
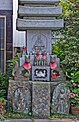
<point x="41" y="99"/>
<point x="38" y="1"/>
<point x="40" y="73"/>
<point x="40" y="18"/>
<point x="19" y="93"/>
<point x="60" y="99"/>
<point x="53" y="86"/>
<point x="23" y="24"/>
<point x="54" y="120"/>
<point x="45" y="37"/>
<point x="39" y="11"/>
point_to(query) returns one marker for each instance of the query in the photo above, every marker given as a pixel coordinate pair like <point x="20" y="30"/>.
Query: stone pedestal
<point x="19" y="95"/>
<point x="41" y="99"/>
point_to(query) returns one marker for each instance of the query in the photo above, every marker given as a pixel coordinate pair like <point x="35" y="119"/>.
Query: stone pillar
<point x="41" y="99"/>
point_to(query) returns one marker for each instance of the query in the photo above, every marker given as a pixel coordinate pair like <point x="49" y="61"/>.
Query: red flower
<point x="43" y="56"/>
<point x="54" y="76"/>
<point x="53" y="65"/>
<point x="37" y="56"/>
<point x="71" y="95"/>
<point x="74" y="84"/>
<point x="27" y="65"/>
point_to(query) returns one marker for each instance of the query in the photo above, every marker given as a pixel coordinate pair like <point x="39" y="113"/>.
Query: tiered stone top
<point x="39" y="14"/>
<point x="38" y="1"/>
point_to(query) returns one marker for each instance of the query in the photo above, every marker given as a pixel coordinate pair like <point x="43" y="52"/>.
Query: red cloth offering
<point x="53" y="65"/>
<point x="54" y="76"/>
<point x="37" y="56"/>
<point x="27" y="65"/>
<point x="44" y="56"/>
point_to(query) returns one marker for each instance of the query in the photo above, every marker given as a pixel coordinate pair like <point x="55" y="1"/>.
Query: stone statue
<point x="60" y="100"/>
<point x="43" y="60"/>
<point x="37" y="60"/>
<point x="21" y="72"/>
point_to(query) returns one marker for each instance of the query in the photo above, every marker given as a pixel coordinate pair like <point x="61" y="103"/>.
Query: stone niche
<point x="19" y="93"/>
<point x="41" y="99"/>
<point x="39" y="39"/>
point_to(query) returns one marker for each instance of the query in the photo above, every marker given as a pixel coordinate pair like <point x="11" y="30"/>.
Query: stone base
<point x="41" y="99"/>
<point x="19" y="93"/>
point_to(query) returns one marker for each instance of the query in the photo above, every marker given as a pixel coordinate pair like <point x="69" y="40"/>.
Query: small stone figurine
<point x="37" y="59"/>
<point x="43" y="60"/>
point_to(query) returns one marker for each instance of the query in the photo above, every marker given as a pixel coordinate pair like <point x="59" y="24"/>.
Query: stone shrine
<point x="36" y="62"/>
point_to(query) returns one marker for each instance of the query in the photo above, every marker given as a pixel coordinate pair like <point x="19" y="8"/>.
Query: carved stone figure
<point x="60" y="100"/>
<point x="21" y="100"/>
<point x="44" y="60"/>
<point x="37" y="60"/>
<point x="39" y="47"/>
<point x="22" y="72"/>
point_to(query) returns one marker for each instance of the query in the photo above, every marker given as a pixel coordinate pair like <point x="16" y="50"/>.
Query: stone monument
<point x="37" y="63"/>
<point x="39" y="18"/>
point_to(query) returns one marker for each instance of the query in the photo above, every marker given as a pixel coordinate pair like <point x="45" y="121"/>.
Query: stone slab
<point x="41" y="120"/>
<point x="39" y="11"/>
<point x="45" y="37"/>
<point x="19" y="96"/>
<point x="23" y="24"/>
<point x="39" y="18"/>
<point x="41" y="99"/>
<point x="54" y="120"/>
<point x="38" y="1"/>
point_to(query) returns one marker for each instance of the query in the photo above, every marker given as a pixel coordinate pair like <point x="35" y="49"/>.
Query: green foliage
<point x="73" y="85"/>
<point x="10" y="66"/>
<point x="2" y="108"/>
<point x="3" y="85"/>
<point x="69" y="116"/>
<point x="17" y="115"/>
<point x="67" y="49"/>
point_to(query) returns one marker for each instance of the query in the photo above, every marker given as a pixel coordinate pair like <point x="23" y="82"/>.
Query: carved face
<point x="39" y="47"/>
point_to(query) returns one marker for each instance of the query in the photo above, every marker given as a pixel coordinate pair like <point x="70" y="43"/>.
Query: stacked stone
<point x="39" y="18"/>
<point x="39" y="14"/>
